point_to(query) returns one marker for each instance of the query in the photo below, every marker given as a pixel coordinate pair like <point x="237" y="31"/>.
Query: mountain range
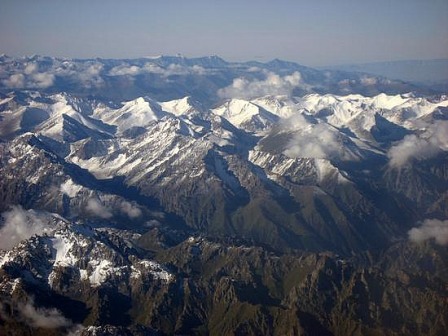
<point x="196" y="196"/>
<point x="431" y="73"/>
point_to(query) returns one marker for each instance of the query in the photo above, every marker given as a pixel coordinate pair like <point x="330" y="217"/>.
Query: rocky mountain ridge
<point x="281" y="204"/>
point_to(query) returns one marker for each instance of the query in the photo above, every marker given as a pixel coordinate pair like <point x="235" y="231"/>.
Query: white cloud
<point x="273" y="84"/>
<point x="20" y="224"/>
<point x="93" y="69"/>
<point x="366" y="80"/>
<point x="15" y="81"/>
<point x="172" y="69"/>
<point x="408" y="148"/>
<point x="125" y="70"/>
<point x="95" y="207"/>
<point x="153" y="68"/>
<point x="91" y="76"/>
<point x="177" y="69"/>
<point x="70" y="188"/>
<point x="31" y="68"/>
<point x="152" y="223"/>
<point x="130" y="210"/>
<point x="422" y="147"/>
<point x="42" y="317"/>
<point x="197" y="69"/>
<point x="314" y="141"/>
<point x="41" y="80"/>
<point x="430" y="229"/>
<point x="295" y="122"/>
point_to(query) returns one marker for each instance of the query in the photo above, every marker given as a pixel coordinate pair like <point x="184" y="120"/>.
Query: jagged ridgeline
<point x="196" y="196"/>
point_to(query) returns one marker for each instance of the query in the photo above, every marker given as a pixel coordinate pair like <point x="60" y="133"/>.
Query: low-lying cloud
<point x="367" y="80"/>
<point x="170" y="70"/>
<point x="30" y="78"/>
<point x="313" y="140"/>
<point x="89" y="73"/>
<point x="430" y="229"/>
<point x="50" y="318"/>
<point x="20" y="224"/>
<point x="40" y="80"/>
<point x="273" y="84"/>
<point x="31" y="68"/>
<point x="96" y="208"/>
<point x="130" y="210"/>
<point x="70" y="188"/>
<point x="422" y="147"/>
<point x="125" y="70"/>
<point x="15" y="81"/>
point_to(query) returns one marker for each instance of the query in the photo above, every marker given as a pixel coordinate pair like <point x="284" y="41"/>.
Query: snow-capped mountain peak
<point x="135" y="113"/>
<point x="246" y="115"/>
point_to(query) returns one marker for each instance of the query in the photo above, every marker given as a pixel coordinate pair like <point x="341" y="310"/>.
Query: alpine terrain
<point x="177" y="196"/>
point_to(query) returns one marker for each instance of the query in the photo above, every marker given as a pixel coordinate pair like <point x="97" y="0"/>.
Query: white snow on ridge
<point x="101" y="167"/>
<point x="237" y="111"/>
<point x="138" y="112"/>
<point x="63" y="105"/>
<point x="101" y="271"/>
<point x="178" y="107"/>
<point x="268" y="161"/>
<point x="353" y="111"/>
<point x="67" y="247"/>
<point x="63" y="247"/>
<point x="345" y="108"/>
<point x="70" y="188"/>
<point x="6" y="258"/>
<point x="281" y="106"/>
<point x="389" y="102"/>
<point x="155" y="269"/>
<point x="246" y="115"/>
<point x="6" y="100"/>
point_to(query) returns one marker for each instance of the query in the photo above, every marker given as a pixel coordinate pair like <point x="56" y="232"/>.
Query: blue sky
<point x="313" y="32"/>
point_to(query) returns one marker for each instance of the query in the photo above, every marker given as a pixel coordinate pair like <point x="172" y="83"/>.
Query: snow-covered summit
<point x="184" y="106"/>
<point x="246" y="115"/>
<point x="135" y="113"/>
<point x="93" y="257"/>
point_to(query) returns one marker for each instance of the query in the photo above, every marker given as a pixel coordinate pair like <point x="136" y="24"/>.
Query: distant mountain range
<point x="171" y="196"/>
<point x="433" y="73"/>
<point x="207" y="79"/>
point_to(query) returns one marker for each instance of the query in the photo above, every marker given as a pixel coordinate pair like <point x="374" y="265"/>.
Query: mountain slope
<point x="215" y="288"/>
<point x="319" y="176"/>
<point x="169" y="195"/>
<point x="167" y="78"/>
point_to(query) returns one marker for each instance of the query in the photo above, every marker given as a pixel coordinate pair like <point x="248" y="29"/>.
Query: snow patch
<point x="178" y="107"/>
<point x="101" y="270"/>
<point x="70" y="188"/>
<point x="325" y="169"/>
<point x="237" y="111"/>
<point x="135" y="113"/>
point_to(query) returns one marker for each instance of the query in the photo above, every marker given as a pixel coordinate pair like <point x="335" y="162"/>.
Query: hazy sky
<point x="312" y="32"/>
